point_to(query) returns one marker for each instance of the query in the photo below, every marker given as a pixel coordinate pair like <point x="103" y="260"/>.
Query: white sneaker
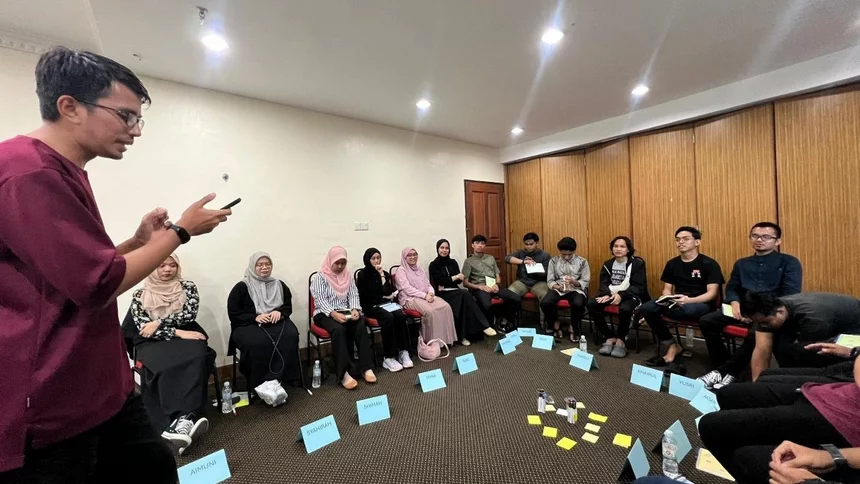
<point x="200" y="427"/>
<point x="405" y="360"/>
<point x="490" y="332"/>
<point x="712" y="378"/>
<point x="725" y="381"/>
<point x="391" y="365"/>
<point x="465" y="342"/>
<point x="178" y="433"/>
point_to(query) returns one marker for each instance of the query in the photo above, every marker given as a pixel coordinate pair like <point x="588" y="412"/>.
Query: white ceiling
<point x="480" y="61"/>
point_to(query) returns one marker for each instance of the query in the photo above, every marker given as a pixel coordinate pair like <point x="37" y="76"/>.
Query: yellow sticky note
<point x="597" y="417"/>
<point x="623" y="440"/>
<point x="706" y="462"/>
<point x="534" y="420"/>
<point x="592" y="428"/>
<point x="580" y="405"/>
<point x="565" y="443"/>
<point x="590" y="438"/>
<point x="550" y="432"/>
<point x="550" y="408"/>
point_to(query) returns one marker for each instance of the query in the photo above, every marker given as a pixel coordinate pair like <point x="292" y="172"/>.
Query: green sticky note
<point x="848" y="340"/>
<point x="727" y="311"/>
<point x="490" y="281"/>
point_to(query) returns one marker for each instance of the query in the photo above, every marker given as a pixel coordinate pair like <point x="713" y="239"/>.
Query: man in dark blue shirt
<point x="767" y="272"/>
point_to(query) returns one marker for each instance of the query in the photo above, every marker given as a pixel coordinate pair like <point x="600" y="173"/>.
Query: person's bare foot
<point x="369" y="377"/>
<point x="348" y="382"/>
<point x="672" y="352"/>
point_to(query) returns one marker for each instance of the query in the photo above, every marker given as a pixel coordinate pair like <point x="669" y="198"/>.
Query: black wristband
<point x="855" y="352"/>
<point x="839" y="461"/>
<point x="183" y="234"/>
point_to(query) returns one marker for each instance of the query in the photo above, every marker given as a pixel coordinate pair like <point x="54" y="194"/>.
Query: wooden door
<point x="485" y="215"/>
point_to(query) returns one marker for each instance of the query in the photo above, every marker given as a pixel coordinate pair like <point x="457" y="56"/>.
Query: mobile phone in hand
<point x="231" y="204"/>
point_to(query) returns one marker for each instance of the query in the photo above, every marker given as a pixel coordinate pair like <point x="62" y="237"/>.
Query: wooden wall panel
<point x="818" y="175"/>
<point x="663" y="188"/>
<point x="607" y="170"/>
<point x="563" y="201"/>
<point x="735" y="181"/>
<point x="523" y="199"/>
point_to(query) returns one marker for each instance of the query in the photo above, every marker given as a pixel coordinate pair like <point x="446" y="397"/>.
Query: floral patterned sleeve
<point x="138" y="314"/>
<point x="180" y="320"/>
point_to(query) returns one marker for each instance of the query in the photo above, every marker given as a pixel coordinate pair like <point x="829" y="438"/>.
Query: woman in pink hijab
<point x="416" y="293"/>
<point x="338" y="311"/>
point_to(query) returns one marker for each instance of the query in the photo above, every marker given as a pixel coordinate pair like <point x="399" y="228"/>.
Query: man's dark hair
<point x="630" y="249"/>
<point x="531" y="236"/>
<point x="83" y="75"/>
<point x="760" y="303"/>
<point x="769" y="225"/>
<point x="479" y="238"/>
<point x="693" y="231"/>
<point x="567" y="243"/>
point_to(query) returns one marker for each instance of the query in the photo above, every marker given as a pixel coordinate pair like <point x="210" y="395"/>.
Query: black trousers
<point x="269" y="352"/>
<point x="125" y="449"/>
<point x="711" y="325"/>
<point x="550" y="308"/>
<point x="625" y="314"/>
<point x="756" y="418"/>
<point x="469" y="319"/>
<point x="653" y="314"/>
<point x="788" y="354"/>
<point x="838" y="373"/>
<point x="343" y="336"/>
<point x="394" y="332"/>
<point x="509" y="308"/>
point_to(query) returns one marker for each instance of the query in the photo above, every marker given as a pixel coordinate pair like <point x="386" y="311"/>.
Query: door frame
<point x="469" y="235"/>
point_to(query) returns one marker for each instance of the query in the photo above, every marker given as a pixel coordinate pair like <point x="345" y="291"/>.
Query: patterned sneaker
<point x="177" y="433"/>
<point x="391" y="365"/>
<point x="406" y="360"/>
<point x="712" y="378"/>
<point x="725" y="381"/>
<point x="200" y="427"/>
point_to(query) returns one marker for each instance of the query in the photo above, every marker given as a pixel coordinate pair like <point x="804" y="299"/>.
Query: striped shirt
<point x="326" y="301"/>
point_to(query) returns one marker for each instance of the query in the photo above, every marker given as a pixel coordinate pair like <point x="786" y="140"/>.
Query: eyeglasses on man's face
<point x="763" y="238"/>
<point x="130" y="119"/>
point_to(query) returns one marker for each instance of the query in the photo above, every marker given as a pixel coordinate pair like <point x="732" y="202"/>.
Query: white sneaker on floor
<point x="391" y="365"/>
<point x="465" y="342"/>
<point x="178" y="433"/>
<point x="406" y="360"/>
<point x="490" y="332"/>
<point x="712" y="378"/>
<point x="725" y="381"/>
<point x="200" y="427"/>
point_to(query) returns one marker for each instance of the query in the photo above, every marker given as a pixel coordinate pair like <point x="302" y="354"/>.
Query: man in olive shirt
<point x="477" y="269"/>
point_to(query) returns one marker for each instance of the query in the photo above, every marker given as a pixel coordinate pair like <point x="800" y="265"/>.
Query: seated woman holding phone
<point x="377" y="294"/>
<point x="336" y="310"/>
<point x="416" y="293"/>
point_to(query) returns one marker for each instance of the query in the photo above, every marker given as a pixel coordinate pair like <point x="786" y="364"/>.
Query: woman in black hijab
<point x="378" y="296"/>
<point x="445" y="276"/>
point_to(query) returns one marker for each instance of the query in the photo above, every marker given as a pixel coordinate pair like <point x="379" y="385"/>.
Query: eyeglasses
<point x="763" y="238"/>
<point x="130" y="119"/>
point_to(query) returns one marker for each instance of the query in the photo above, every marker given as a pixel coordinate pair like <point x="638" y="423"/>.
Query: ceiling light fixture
<point x="215" y="42"/>
<point x="517" y="131"/>
<point x="552" y="36"/>
<point x="423" y="104"/>
<point x="640" y="90"/>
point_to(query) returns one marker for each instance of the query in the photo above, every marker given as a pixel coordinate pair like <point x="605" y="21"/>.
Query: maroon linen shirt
<point x="63" y="366"/>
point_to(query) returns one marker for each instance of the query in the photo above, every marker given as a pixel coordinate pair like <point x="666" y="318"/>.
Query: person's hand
<point x="681" y="299"/>
<point x="380" y="270"/>
<point x="262" y="318"/>
<point x="603" y="299"/>
<point x="428" y="297"/>
<point x="615" y="300"/>
<point x="529" y="261"/>
<point x="152" y="222"/>
<point x="181" y="333"/>
<point x="274" y="316"/>
<point x="794" y="455"/>
<point x="198" y="220"/>
<point x="460" y="276"/>
<point x="356" y="315"/>
<point x="782" y="474"/>
<point x="829" y="349"/>
<point x="486" y="289"/>
<point x="340" y="318"/>
<point x="736" y="310"/>
<point x="567" y="280"/>
<point x="494" y="289"/>
<point x="149" y="329"/>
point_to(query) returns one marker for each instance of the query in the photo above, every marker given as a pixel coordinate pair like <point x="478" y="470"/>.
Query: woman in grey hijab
<point x="259" y="308"/>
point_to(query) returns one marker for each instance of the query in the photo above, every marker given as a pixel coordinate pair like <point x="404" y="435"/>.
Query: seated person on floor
<point x="528" y="258"/>
<point x="445" y="277"/>
<point x="623" y="283"/>
<point x="337" y="311"/>
<point x="694" y="279"/>
<point x="755" y="418"/>
<point x="416" y="293"/>
<point x="259" y="307"/>
<point x="480" y="270"/>
<point x="172" y="348"/>
<point x="767" y="271"/>
<point x="568" y="277"/>
<point x="375" y="290"/>
<point x="786" y="326"/>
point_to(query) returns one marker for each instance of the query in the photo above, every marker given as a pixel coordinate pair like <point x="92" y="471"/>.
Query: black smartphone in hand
<point x="231" y="204"/>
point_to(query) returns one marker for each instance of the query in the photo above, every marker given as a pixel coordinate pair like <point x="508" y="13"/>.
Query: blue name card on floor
<point x="646" y="377"/>
<point x="583" y="360"/>
<point x="505" y="346"/>
<point x="638" y="461"/>
<point x="209" y="470"/>
<point x="681" y="440"/>
<point x="465" y="364"/>
<point x="373" y="409"/>
<point x="684" y="387"/>
<point x="705" y="401"/>
<point x="515" y="337"/>
<point x="527" y="332"/>
<point x="542" y="341"/>
<point x="319" y="434"/>
<point x="430" y="380"/>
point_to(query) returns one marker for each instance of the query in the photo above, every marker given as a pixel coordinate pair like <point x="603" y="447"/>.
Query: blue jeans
<point x="653" y="313"/>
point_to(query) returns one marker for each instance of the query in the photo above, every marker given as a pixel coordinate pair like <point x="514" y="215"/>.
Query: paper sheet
<point x="590" y="438"/>
<point x="580" y="405"/>
<point x="562" y="412"/>
<point x="592" y="428"/>
<point x="848" y="340"/>
<point x="550" y="432"/>
<point x="706" y="462"/>
<point x="565" y="443"/>
<point x="569" y="351"/>
<point x="491" y="281"/>
<point x="534" y="420"/>
<point x="597" y="417"/>
<point x="534" y="269"/>
<point x="727" y="311"/>
<point x="622" y="440"/>
<point x="550" y="408"/>
<point x="243" y="399"/>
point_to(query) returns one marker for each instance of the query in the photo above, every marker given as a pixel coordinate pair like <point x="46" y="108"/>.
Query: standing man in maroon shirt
<point x="69" y="413"/>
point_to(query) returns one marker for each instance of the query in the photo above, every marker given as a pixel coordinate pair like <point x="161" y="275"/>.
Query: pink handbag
<point x="432" y="349"/>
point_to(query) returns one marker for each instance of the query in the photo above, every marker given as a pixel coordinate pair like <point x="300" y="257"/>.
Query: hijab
<point x="339" y="282"/>
<point x="163" y="298"/>
<point x="266" y="292"/>
<point x="367" y="255"/>
<point x="414" y="274"/>
<point x="444" y="264"/>
<point x="439" y="258"/>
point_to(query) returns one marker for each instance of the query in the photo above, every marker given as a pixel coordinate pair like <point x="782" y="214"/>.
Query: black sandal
<point x="656" y="361"/>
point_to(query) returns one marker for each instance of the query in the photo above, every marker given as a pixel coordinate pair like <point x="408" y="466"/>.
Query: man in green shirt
<point x="482" y="273"/>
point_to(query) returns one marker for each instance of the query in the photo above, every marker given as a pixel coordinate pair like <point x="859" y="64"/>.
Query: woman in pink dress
<point x="416" y="293"/>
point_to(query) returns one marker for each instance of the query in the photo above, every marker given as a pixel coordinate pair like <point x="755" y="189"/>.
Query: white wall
<point x="304" y="179"/>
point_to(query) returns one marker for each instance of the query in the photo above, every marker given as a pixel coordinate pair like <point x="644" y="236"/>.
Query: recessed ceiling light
<point x="552" y="36"/>
<point x="516" y="131"/>
<point x="215" y="42"/>
<point x="640" y="90"/>
<point x="423" y="104"/>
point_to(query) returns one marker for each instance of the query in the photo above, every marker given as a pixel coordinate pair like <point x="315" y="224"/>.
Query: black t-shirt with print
<point x="692" y="278"/>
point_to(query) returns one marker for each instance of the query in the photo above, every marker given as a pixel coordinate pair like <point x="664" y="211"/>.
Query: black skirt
<point x="468" y="317"/>
<point x="259" y="361"/>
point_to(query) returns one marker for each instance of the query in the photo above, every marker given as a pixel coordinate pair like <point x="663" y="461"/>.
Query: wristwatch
<point x="839" y="460"/>
<point x="855" y="352"/>
<point x="183" y="234"/>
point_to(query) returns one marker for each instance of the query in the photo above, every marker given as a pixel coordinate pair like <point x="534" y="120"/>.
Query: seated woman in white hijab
<point x="172" y="348"/>
<point x="416" y="293"/>
<point x="259" y="307"/>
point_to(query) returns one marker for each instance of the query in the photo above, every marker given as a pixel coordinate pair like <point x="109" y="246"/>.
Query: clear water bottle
<point x="317" y="375"/>
<point x="227" y="399"/>
<point x="583" y="343"/>
<point x="690" y="334"/>
<point x="670" y="452"/>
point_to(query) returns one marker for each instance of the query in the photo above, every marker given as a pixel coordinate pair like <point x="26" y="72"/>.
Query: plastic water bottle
<point x="670" y="452"/>
<point x="227" y="399"/>
<point x="690" y="335"/>
<point x="583" y="343"/>
<point x="317" y="375"/>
